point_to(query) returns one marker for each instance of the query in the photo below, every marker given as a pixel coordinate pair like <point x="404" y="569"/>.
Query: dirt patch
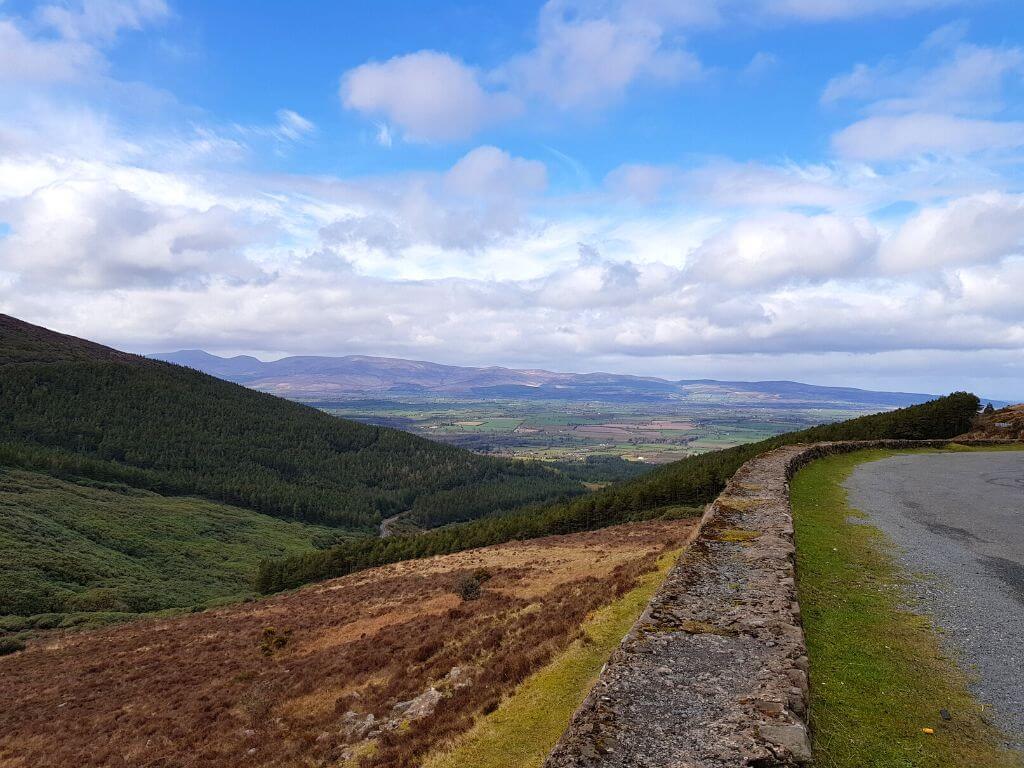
<point x="220" y="689"/>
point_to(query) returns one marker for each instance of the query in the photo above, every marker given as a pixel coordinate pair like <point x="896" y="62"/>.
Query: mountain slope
<point x="311" y="377"/>
<point x="87" y="547"/>
<point x="71" y="407"/>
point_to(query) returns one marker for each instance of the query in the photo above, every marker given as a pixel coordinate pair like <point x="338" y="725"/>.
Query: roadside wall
<point x="714" y="672"/>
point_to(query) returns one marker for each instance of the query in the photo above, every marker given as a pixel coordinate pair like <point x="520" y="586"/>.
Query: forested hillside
<point x="76" y="409"/>
<point x="692" y="481"/>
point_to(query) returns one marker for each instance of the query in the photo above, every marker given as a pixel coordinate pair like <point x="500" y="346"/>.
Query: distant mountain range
<point x="314" y="378"/>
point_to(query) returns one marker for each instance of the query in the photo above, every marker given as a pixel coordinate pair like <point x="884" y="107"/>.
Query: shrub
<point x="468" y="587"/>
<point x="10" y="645"/>
<point x="273" y="640"/>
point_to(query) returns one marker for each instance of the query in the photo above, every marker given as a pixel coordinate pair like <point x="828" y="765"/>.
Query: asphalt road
<point x="958" y="519"/>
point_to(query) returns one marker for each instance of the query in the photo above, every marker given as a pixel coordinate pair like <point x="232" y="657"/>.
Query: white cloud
<point x="783" y="247"/>
<point x="586" y="59"/>
<point x="833" y="10"/>
<point x="383" y="136"/>
<point x="760" y="64"/>
<point x="23" y="59"/>
<point x="490" y="172"/>
<point x="642" y="181"/>
<point x="585" y="56"/>
<point x="970" y="82"/>
<point x="431" y="96"/>
<point x="293" y="126"/>
<point x="976" y="229"/>
<point x="899" y="136"/>
<point x="101" y="20"/>
<point x="945" y="107"/>
<point x="96" y="235"/>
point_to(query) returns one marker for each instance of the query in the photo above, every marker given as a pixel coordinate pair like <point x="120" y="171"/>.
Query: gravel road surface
<point x="958" y="519"/>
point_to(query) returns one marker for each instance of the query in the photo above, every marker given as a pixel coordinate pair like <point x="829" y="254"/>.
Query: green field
<point x="74" y="551"/>
<point x="879" y="675"/>
<point x="646" y="433"/>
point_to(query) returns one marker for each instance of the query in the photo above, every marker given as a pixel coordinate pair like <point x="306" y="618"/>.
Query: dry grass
<point x="203" y="690"/>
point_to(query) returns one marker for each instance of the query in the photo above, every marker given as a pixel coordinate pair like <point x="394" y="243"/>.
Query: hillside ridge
<point x="312" y="376"/>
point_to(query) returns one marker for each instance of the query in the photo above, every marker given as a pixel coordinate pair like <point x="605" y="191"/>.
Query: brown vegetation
<point x="1005" y="423"/>
<point x="292" y="680"/>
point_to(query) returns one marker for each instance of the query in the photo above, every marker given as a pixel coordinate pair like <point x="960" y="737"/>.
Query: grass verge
<point x="878" y="673"/>
<point x="526" y="726"/>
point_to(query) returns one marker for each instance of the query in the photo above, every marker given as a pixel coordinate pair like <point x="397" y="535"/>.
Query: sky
<point x="829" y="191"/>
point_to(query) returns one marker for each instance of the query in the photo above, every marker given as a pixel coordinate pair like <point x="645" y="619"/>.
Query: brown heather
<point x="222" y="688"/>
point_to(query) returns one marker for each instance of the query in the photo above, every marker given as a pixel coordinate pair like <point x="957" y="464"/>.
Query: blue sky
<point x="824" y="190"/>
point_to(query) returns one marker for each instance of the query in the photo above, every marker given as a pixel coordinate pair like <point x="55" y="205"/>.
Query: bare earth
<point x="958" y="519"/>
<point x="220" y="689"/>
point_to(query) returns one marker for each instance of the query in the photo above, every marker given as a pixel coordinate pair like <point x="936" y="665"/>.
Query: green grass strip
<point x="878" y="673"/>
<point x="526" y="726"/>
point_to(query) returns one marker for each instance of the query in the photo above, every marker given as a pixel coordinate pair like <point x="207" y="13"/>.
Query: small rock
<point x="791" y="737"/>
<point x="423" y="705"/>
<point x="770" y="707"/>
<point x="944" y="714"/>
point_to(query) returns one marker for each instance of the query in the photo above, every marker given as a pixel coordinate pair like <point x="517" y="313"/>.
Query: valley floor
<point x="381" y="665"/>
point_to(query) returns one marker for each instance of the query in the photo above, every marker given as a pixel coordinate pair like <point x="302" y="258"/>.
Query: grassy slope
<point x="525" y="727"/>
<point x="92" y="547"/>
<point x="878" y="673"/>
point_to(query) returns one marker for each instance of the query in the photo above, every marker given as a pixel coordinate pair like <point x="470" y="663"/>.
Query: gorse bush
<point x="691" y="481"/>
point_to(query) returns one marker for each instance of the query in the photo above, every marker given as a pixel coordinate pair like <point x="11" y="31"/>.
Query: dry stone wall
<point x="715" y="671"/>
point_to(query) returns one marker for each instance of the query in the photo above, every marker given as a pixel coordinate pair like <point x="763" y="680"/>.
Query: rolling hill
<point x="81" y="552"/>
<point x="76" y="408"/>
<point x="313" y="378"/>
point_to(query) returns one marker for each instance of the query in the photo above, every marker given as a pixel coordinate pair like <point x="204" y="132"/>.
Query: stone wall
<point x="714" y="672"/>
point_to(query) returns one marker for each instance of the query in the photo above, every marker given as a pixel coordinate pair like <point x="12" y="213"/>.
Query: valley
<point x="198" y="573"/>
<point x="84" y="553"/>
<point x="605" y="433"/>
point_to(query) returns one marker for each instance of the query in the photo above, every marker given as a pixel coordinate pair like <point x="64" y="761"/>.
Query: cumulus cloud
<point x="585" y="58"/>
<point x="432" y="96"/>
<point x="783" y="247"/>
<point x="975" y="229"/>
<point x="95" y="235"/>
<point x="477" y="203"/>
<point x="492" y="172"/>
